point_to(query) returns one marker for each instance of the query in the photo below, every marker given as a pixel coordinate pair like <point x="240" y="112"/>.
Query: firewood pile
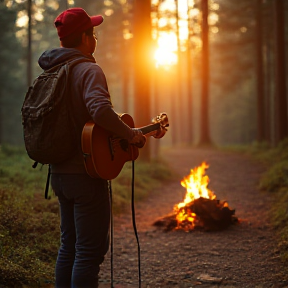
<point x="201" y="213"/>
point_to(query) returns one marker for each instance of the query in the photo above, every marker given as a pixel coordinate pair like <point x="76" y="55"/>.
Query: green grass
<point x="29" y="224"/>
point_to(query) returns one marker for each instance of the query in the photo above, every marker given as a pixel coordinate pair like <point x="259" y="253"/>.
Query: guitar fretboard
<point x="150" y="128"/>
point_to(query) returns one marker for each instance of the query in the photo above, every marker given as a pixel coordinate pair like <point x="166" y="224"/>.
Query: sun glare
<point x="165" y="54"/>
<point x="166" y="38"/>
<point x="165" y="57"/>
<point x="22" y="19"/>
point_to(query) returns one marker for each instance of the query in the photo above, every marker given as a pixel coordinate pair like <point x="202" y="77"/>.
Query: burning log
<point x="209" y="215"/>
<point x="202" y="211"/>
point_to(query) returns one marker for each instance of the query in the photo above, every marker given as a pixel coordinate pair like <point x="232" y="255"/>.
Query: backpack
<point x="48" y="128"/>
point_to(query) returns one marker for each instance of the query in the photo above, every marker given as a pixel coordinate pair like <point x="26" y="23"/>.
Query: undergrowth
<point x="29" y="224"/>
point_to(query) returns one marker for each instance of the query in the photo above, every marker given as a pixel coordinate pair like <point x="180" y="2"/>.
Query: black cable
<point x="134" y="225"/>
<point x="47" y="181"/>
<point x="111" y="233"/>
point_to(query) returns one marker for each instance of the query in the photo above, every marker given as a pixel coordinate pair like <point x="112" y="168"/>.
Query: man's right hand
<point x="138" y="138"/>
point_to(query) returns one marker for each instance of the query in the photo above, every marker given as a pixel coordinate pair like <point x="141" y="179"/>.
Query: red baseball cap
<point x="75" y="20"/>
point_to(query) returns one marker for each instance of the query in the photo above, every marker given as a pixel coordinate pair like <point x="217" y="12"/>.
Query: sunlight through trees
<point x="223" y="82"/>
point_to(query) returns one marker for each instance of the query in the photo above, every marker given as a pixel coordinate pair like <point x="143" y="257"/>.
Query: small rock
<point x="205" y="278"/>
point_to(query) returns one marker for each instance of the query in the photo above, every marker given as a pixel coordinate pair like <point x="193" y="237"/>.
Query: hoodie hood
<point x="53" y="57"/>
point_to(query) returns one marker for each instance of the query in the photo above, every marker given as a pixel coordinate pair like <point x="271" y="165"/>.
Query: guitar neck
<point x="150" y="129"/>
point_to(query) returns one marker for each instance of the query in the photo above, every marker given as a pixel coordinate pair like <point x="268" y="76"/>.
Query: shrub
<point x="275" y="177"/>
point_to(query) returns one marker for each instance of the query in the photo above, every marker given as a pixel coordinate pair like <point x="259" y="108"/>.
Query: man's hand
<point x="138" y="138"/>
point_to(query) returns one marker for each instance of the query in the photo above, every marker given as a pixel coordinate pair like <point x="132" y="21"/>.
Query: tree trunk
<point x="125" y="76"/>
<point x="142" y="66"/>
<point x="63" y="5"/>
<point x="180" y="137"/>
<point x="259" y="75"/>
<point x="281" y="128"/>
<point x="204" y="129"/>
<point x="189" y="85"/>
<point x="29" y="46"/>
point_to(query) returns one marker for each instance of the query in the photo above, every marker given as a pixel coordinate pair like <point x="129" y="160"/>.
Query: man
<point x="84" y="201"/>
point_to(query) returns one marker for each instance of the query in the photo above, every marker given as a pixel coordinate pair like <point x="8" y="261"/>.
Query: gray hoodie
<point x="90" y="100"/>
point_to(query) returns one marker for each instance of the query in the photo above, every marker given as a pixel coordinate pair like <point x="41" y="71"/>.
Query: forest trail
<point x="244" y="255"/>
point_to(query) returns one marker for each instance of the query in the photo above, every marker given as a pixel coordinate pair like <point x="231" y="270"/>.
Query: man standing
<point x="84" y="201"/>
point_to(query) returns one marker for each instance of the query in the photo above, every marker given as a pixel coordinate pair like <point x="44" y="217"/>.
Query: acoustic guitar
<point x="105" y="154"/>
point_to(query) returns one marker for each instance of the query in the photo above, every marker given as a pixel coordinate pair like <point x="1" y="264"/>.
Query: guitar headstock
<point x="162" y="119"/>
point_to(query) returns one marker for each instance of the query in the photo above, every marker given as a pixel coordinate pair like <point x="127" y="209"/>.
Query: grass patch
<point x="29" y="224"/>
<point x="275" y="178"/>
<point x="28" y="240"/>
<point x="16" y="171"/>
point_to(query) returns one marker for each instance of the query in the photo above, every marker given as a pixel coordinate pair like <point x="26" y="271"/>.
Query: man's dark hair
<point x="75" y="39"/>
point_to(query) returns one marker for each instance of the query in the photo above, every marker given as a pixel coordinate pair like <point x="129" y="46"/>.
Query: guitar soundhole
<point x="124" y="145"/>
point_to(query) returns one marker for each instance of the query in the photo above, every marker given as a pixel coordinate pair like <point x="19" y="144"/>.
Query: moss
<point x="28" y="240"/>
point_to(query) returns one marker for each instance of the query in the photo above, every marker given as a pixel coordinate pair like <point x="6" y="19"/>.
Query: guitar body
<point x="104" y="153"/>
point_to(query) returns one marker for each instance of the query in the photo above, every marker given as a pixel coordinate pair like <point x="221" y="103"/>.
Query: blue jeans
<point x="85" y="217"/>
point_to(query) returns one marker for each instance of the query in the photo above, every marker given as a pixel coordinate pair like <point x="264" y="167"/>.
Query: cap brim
<point x="97" y="20"/>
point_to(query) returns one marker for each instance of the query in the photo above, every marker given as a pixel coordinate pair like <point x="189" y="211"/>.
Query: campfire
<point x="200" y="209"/>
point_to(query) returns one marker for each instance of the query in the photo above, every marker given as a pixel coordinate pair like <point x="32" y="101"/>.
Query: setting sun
<point x="165" y="53"/>
<point x="165" y="57"/>
<point x="166" y="26"/>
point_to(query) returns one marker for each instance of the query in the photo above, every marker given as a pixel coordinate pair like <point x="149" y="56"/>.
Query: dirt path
<point x="243" y="255"/>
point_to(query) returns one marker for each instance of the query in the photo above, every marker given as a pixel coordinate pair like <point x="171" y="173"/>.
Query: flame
<point x="200" y="209"/>
<point x="196" y="184"/>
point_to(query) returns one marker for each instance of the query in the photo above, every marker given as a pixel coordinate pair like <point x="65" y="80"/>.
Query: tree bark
<point x="142" y="66"/>
<point x="281" y="128"/>
<point x="125" y="77"/>
<point x="63" y="5"/>
<point x="180" y="137"/>
<point x="259" y="75"/>
<point x="189" y="84"/>
<point x="29" y="46"/>
<point x="204" y="129"/>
